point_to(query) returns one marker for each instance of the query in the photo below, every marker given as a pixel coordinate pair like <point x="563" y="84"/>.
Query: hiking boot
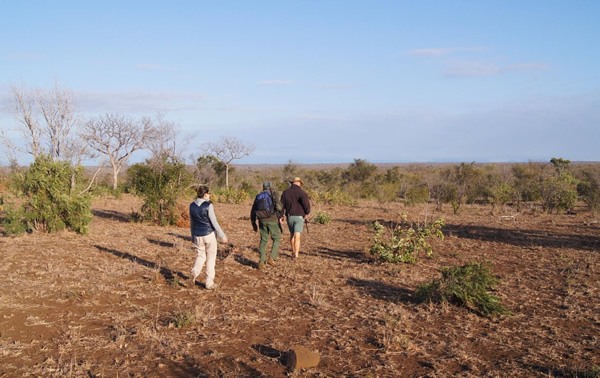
<point x="271" y="262"/>
<point x="211" y="287"/>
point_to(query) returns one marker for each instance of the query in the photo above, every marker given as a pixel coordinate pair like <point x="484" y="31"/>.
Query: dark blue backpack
<point x="264" y="206"/>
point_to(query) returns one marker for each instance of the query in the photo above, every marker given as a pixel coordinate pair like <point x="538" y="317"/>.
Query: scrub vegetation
<point x="406" y="270"/>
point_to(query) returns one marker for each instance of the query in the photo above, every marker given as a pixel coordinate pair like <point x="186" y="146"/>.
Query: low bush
<point x="404" y="242"/>
<point x="160" y="183"/>
<point x="230" y="195"/>
<point x="331" y="197"/>
<point x="322" y="217"/>
<point x="49" y="199"/>
<point x="417" y="194"/>
<point x="468" y="285"/>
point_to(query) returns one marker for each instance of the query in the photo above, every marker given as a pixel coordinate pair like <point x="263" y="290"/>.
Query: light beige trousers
<point x="206" y="252"/>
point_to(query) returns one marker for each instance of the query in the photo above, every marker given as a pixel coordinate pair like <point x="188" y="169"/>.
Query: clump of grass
<point x="404" y="242"/>
<point x="391" y="336"/>
<point x="468" y="285"/>
<point x="180" y="319"/>
<point x="322" y="217"/>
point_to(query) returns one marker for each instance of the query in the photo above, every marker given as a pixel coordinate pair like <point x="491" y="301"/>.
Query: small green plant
<point x="230" y="195"/>
<point x="404" y="242"/>
<point x="180" y="319"/>
<point x="468" y="285"/>
<point x="322" y="218"/>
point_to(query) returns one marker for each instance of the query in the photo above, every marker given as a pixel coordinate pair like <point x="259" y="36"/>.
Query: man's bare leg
<point x="295" y="243"/>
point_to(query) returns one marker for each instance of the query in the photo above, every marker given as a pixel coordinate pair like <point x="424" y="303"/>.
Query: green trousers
<point x="269" y="229"/>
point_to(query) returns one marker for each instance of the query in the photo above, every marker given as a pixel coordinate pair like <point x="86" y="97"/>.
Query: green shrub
<point x="589" y="191"/>
<point x="331" y="197"/>
<point x="160" y="184"/>
<point x="404" y="242"/>
<point x="322" y="217"/>
<point x="417" y="194"/>
<point x="181" y="319"/>
<point x="230" y="195"/>
<point x="15" y="221"/>
<point x="50" y="202"/>
<point x="558" y="195"/>
<point x="466" y="285"/>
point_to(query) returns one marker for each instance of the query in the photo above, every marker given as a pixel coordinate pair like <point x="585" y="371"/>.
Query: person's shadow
<point x="167" y="273"/>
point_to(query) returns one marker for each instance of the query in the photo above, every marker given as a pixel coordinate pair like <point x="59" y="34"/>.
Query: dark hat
<point x="266" y="185"/>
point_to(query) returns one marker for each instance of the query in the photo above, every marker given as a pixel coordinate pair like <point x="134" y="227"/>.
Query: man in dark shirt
<point x="296" y="207"/>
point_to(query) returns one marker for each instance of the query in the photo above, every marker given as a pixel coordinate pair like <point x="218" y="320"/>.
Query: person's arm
<point x="253" y="216"/>
<point x="305" y="203"/>
<point x="191" y="224"/>
<point x="213" y="220"/>
<point x="283" y="205"/>
<point x="278" y="205"/>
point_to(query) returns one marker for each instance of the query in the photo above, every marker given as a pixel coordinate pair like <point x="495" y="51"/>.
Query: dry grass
<point x="114" y="302"/>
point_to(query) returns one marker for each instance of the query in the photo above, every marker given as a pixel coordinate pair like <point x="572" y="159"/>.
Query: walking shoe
<point x="271" y="262"/>
<point x="211" y="287"/>
<point x="191" y="282"/>
<point x="261" y="265"/>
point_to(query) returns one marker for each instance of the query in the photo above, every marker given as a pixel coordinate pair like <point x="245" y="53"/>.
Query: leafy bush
<point x="501" y="193"/>
<point x="387" y="192"/>
<point x="331" y="197"/>
<point x="49" y="200"/>
<point x="322" y="218"/>
<point x="417" y="194"/>
<point x="230" y="195"/>
<point x="466" y="285"/>
<point x="558" y="195"/>
<point x="404" y="242"/>
<point x="589" y="191"/>
<point x="160" y="184"/>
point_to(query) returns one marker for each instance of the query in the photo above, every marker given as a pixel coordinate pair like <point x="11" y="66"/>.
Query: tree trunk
<point x="227" y="176"/>
<point x="115" y="177"/>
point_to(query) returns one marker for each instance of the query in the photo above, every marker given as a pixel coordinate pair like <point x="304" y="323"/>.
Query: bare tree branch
<point x="117" y="136"/>
<point x="227" y="150"/>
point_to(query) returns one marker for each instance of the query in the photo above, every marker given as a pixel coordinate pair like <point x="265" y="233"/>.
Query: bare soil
<point x="115" y="302"/>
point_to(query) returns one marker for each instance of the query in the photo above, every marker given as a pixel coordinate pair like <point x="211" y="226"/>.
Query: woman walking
<point x="205" y="229"/>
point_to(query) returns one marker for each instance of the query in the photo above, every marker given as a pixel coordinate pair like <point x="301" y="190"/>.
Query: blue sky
<point x="327" y="81"/>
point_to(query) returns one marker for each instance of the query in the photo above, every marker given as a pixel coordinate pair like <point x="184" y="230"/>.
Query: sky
<point x="326" y="81"/>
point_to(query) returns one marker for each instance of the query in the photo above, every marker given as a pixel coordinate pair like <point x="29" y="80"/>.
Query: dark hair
<point x="202" y="190"/>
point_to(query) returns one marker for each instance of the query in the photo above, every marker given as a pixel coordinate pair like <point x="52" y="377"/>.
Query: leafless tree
<point x="227" y="150"/>
<point x="163" y="140"/>
<point x="46" y="123"/>
<point x="117" y="136"/>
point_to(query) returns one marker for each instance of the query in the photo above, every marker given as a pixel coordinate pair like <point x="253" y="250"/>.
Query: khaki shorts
<point x="295" y="223"/>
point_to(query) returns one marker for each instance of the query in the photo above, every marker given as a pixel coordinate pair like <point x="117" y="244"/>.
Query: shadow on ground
<point x="167" y="273"/>
<point x="524" y="238"/>
<point x="112" y="215"/>
<point x="383" y="291"/>
<point x="270" y="352"/>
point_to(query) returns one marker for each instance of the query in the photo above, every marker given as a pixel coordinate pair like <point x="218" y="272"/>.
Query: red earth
<point x="115" y="302"/>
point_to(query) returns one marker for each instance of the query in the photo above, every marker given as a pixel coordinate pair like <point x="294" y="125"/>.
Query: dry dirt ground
<point x="115" y="303"/>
